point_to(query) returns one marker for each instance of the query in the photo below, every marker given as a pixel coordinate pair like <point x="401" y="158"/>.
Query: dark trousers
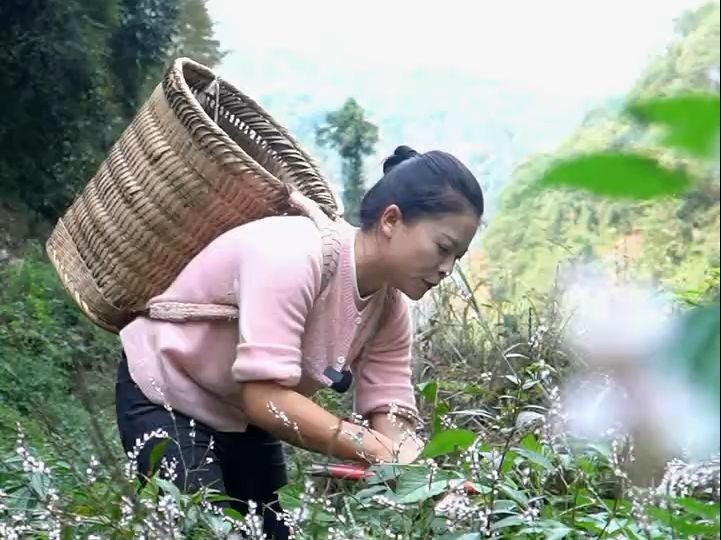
<point x="245" y="466"/>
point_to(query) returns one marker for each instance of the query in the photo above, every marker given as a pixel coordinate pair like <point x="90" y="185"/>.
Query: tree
<point x="140" y="46"/>
<point x="53" y="98"/>
<point x="74" y="75"/>
<point x="347" y="131"/>
<point x="195" y="37"/>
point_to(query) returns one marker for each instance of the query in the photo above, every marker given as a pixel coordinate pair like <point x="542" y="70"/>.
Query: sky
<point x="583" y="48"/>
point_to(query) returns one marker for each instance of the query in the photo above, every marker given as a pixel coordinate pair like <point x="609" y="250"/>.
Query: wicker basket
<point x="198" y="159"/>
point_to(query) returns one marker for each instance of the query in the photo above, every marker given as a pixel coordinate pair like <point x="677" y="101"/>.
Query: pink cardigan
<point x="271" y="268"/>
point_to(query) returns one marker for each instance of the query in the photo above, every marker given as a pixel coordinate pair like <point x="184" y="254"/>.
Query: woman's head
<point x="426" y="210"/>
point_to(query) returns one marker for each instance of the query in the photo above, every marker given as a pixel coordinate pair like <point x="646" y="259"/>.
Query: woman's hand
<point x="403" y="452"/>
<point x="408" y="450"/>
<point x="406" y="445"/>
<point x="299" y="421"/>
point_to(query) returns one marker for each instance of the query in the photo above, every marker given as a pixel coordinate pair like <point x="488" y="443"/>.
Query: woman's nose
<point x="446" y="268"/>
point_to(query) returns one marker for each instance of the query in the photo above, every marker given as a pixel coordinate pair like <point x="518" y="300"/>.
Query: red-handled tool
<point x="340" y="470"/>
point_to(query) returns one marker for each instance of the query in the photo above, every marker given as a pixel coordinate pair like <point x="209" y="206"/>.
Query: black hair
<point x="422" y="185"/>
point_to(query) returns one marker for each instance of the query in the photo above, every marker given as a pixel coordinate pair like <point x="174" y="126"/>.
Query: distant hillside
<point x="674" y="242"/>
<point x="490" y="125"/>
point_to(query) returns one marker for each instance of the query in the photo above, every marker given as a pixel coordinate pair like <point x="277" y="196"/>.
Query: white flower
<point x="614" y="324"/>
<point x="624" y="332"/>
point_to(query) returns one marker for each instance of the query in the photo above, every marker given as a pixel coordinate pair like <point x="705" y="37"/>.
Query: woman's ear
<point x="390" y="219"/>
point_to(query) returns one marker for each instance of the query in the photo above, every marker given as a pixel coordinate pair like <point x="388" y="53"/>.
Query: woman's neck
<point x="369" y="264"/>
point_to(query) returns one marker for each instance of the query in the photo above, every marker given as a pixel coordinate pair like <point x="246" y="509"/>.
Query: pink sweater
<point x="271" y="269"/>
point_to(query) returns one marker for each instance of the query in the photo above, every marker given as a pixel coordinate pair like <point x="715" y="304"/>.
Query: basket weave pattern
<point x="199" y="158"/>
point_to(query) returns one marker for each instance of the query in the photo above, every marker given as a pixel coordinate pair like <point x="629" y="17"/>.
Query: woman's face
<point x="420" y="254"/>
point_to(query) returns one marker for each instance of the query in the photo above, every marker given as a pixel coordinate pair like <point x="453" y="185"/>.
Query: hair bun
<point x="401" y="154"/>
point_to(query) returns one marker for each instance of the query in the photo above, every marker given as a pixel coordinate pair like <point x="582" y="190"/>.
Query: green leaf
<point x="698" y="530"/>
<point x="447" y="442"/>
<point x="515" y="495"/>
<point x="415" y="485"/>
<point x="474" y="390"/>
<point x="40" y="484"/>
<point x="504" y="506"/>
<point x="616" y="175"/>
<point x="513" y="521"/>
<point x="509" y="461"/>
<point x="213" y="522"/>
<point x="168" y="487"/>
<point x="429" y="391"/>
<point x="192" y="518"/>
<point x="699" y="508"/>
<point x="233" y="514"/>
<point x="289" y="499"/>
<point x="557" y="532"/>
<point x="369" y="493"/>
<point x="530" y="442"/>
<point x="214" y="498"/>
<point x="686" y="523"/>
<point x="535" y="458"/>
<point x="289" y="496"/>
<point x="591" y="524"/>
<point x="383" y="474"/>
<point x="531" y="529"/>
<point x="156" y="454"/>
<point x="424" y="492"/>
<point x="691" y="122"/>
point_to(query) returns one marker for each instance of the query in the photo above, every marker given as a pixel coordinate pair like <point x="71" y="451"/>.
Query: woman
<point x="236" y="389"/>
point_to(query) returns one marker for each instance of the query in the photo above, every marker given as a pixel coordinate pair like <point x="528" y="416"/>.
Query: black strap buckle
<point x="342" y="380"/>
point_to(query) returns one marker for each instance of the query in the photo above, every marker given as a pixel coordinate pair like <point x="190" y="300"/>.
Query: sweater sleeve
<point x="278" y="278"/>
<point x="385" y="378"/>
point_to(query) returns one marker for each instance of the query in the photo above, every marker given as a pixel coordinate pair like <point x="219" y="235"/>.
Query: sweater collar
<point x="348" y="267"/>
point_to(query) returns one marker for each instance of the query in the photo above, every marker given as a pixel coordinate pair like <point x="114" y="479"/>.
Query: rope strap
<point x="187" y="312"/>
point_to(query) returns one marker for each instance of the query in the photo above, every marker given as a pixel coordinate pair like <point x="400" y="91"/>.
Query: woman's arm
<point x="396" y="429"/>
<point x="384" y="376"/>
<point x="401" y="431"/>
<point x="299" y="421"/>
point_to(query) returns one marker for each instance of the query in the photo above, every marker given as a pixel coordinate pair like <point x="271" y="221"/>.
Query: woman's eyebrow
<point x="456" y="245"/>
<point x="455" y="242"/>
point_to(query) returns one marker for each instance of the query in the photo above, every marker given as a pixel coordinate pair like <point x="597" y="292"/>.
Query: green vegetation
<point x="74" y="74"/>
<point x="349" y="133"/>
<point x="491" y="399"/>
<point x="674" y="243"/>
<point x="489" y="367"/>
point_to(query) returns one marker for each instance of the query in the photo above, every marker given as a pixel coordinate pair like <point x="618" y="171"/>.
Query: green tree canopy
<point x="349" y="132"/>
<point x="74" y="74"/>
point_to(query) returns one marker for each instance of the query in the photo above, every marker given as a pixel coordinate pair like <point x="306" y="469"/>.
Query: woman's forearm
<point x="397" y="429"/>
<point x="301" y="422"/>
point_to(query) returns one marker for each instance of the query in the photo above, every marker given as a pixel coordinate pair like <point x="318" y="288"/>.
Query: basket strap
<point x="331" y="245"/>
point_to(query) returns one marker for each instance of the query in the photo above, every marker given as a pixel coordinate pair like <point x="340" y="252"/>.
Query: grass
<point x="488" y="379"/>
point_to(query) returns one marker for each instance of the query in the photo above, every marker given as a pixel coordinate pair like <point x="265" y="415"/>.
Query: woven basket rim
<point x="178" y="68"/>
<point x="177" y="71"/>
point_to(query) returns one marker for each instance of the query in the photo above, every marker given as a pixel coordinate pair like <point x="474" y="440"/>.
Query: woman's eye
<point x="443" y="249"/>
